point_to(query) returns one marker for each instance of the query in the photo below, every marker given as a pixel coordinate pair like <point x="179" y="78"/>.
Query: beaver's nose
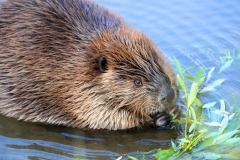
<point x="167" y="95"/>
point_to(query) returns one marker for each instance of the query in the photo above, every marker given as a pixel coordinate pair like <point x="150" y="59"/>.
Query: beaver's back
<point x="42" y="50"/>
<point x="85" y="17"/>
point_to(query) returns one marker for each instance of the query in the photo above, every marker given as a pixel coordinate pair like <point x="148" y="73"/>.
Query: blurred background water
<point x="195" y="32"/>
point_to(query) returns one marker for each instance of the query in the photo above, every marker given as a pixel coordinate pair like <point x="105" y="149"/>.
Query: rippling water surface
<point x="197" y="33"/>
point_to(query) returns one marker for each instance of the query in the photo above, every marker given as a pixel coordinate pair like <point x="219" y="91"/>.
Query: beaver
<point x="78" y="64"/>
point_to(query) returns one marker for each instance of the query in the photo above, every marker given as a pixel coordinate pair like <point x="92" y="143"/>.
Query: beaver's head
<point x="131" y="81"/>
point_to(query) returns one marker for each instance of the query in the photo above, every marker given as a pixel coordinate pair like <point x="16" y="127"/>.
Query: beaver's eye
<point x="138" y="82"/>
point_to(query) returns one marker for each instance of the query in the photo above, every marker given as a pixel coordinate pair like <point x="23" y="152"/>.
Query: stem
<point x="190" y="144"/>
<point x="197" y="125"/>
<point x="186" y="124"/>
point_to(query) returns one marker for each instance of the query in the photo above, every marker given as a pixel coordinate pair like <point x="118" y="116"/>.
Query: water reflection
<point x="27" y="140"/>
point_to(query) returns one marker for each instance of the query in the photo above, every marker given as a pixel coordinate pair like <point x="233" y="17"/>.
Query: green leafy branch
<point x="199" y="135"/>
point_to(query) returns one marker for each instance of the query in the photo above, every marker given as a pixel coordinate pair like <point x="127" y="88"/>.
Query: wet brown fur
<point x="49" y="71"/>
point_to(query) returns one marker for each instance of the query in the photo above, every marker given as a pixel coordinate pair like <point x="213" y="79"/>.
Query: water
<point x="31" y="141"/>
<point x="197" y="33"/>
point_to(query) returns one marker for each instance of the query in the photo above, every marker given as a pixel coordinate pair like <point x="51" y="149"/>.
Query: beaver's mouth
<point x="153" y="115"/>
<point x="175" y="112"/>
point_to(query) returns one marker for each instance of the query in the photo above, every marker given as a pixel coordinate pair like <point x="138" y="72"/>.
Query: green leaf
<point x="231" y="116"/>
<point x="184" y="140"/>
<point x="203" y="131"/>
<point x="179" y="68"/>
<point x="224" y="120"/>
<point x="199" y="74"/>
<point x="217" y="83"/>
<point x="234" y="125"/>
<point x="182" y="84"/>
<point x="228" y="55"/>
<point x="215" y="124"/>
<point x="222" y="106"/>
<point x="195" y="121"/>
<point x="198" y="102"/>
<point x="193" y="94"/>
<point x="222" y="128"/>
<point x="222" y="138"/>
<point x="206" y="143"/>
<point x="210" y="74"/>
<point x="193" y="113"/>
<point x="192" y="127"/>
<point x="212" y="86"/>
<point x="174" y="146"/>
<point x="132" y="158"/>
<point x="200" y="81"/>
<point x="220" y="112"/>
<point x="211" y="134"/>
<point x="222" y="59"/>
<point x="188" y="69"/>
<point x="233" y="140"/>
<point x="163" y="154"/>
<point x="175" y="120"/>
<point x="209" y="105"/>
<point x="206" y="89"/>
<point x="226" y="65"/>
<point x="190" y="78"/>
<point x="119" y="158"/>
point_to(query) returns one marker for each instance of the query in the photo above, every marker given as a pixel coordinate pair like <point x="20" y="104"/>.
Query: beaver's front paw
<point x="162" y="119"/>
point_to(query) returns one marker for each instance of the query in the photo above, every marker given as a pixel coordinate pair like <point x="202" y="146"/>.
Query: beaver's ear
<point x="102" y="63"/>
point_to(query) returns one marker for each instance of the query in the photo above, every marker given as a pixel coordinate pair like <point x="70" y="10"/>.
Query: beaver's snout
<point x="166" y="96"/>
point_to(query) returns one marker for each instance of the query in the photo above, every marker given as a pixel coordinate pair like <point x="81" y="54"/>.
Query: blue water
<point x="195" y="32"/>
